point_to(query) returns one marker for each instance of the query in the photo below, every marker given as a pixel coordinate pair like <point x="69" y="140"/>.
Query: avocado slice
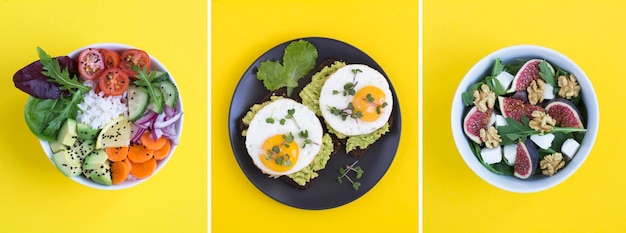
<point x="94" y="161"/>
<point x="57" y="146"/>
<point x="102" y="174"/>
<point x="84" y="131"/>
<point x="83" y="147"/>
<point x="67" y="134"/>
<point x="67" y="163"/>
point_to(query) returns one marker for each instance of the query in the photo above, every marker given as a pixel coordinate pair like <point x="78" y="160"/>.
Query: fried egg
<point x="356" y="100"/>
<point x="283" y="137"/>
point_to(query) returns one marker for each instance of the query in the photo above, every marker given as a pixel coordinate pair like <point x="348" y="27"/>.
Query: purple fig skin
<point x="527" y="157"/>
<point x="521" y="95"/>
<point x="574" y="118"/>
<point x="31" y="81"/>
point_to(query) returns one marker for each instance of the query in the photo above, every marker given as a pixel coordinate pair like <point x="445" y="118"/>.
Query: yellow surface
<point x="36" y="197"/>
<point x="459" y="33"/>
<point x="241" y="32"/>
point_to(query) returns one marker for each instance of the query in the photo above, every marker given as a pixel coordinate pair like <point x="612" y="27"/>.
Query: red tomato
<point x="111" y="58"/>
<point x="134" y="57"/>
<point x="90" y="64"/>
<point x="113" y="81"/>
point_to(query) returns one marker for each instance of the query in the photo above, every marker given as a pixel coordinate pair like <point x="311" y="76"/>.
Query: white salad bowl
<point x="155" y="65"/>
<point x="483" y="68"/>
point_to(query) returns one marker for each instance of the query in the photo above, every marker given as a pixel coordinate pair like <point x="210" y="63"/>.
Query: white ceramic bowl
<point x="155" y="65"/>
<point x="537" y="182"/>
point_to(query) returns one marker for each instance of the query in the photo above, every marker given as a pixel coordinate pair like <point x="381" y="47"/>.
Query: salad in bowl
<point x="108" y="116"/>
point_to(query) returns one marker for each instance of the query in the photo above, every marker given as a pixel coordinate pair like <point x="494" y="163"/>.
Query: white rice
<point x="97" y="110"/>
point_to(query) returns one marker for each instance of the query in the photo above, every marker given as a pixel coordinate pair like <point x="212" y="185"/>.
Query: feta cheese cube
<point x="548" y="93"/>
<point x="500" y="120"/>
<point x="510" y="152"/>
<point x="505" y="78"/>
<point x="569" y="148"/>
<point x="543" y="141"/>
<point x="491" y="155"/>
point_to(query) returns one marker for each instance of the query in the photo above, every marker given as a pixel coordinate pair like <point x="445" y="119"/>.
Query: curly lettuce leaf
<point x="298" y="60"/>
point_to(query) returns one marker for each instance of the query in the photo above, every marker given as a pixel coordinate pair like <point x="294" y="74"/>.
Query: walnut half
<point x="569" y="86"/>
<point x="490" y="137"/>
<point x="551" y="163"/>
<point x="535" y="91"/>
<point x="541" y="121"/>
<point x="484" y="98"/>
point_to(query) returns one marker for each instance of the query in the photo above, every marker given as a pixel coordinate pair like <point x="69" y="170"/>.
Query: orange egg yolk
<point x="370" y="101"/>
<point x="280" y="155"/>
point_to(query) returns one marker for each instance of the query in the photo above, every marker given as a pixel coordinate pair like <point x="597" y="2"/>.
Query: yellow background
<point x="459" y="33"/>
<point x="35" y="196"/>
<point x="241" y="32"/>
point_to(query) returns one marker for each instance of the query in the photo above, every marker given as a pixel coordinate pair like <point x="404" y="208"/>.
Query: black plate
<point x="325" y="192"/>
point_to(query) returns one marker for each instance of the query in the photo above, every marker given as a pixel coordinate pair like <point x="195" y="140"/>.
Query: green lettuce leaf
<point x="298" y="60"/>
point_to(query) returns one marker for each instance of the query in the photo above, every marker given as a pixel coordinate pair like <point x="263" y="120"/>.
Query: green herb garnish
<point x="546" y="73"/>
<point x="514" y="130"/>
<point x="146" y="80"/>
<point x="64" y="107"/>
<point x="344" y="173"/>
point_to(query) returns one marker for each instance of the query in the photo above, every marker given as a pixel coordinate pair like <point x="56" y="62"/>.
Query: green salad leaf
<point x="298" y="60"/>
<point x="45" y="117"/>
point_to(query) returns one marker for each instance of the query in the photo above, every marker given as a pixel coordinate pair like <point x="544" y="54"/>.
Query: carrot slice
<point x="116" y="153"/>
<point x="138" y="153"/>
<point x="164" y="151"/>
<point x="147" y="140"/>
<point x="143" y="170"/>
<point x="120" y="171"/>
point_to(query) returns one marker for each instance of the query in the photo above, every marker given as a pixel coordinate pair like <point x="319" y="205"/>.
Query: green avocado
<point x="84" y="131"/>
<point x="67" y="163"/>
<point x="67" y="134"/>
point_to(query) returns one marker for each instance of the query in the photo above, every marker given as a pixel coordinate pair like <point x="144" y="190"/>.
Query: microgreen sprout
<point x="344" y="173"/>
<point x="305" y="135"/>
<point x="345" y="112"/>
<point x="284" y="159"/>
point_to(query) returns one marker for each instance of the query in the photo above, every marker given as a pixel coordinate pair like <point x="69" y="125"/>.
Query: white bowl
<point x="155" y="65"/>
<point x="536" y="182"/>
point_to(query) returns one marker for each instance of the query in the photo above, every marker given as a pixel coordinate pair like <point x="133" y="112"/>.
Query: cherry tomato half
<point x="136" y="57"/>
<point x="111" y="58"/>
<point x="90" y="64"/>
<point x="113" y="81"/>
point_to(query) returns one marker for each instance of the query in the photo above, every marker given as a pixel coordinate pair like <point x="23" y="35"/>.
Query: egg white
<point x="259" y="130"/>
<point x="336" y="81"/>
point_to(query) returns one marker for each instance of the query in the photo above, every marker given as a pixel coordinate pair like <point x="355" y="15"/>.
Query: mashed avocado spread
<point x="319" y="162"/>
<point x="310" y="95"/>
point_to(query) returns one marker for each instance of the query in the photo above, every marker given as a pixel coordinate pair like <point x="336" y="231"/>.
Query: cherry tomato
<point x="136" y="57"/>
<point x="90" y="64"/>
<point x="113" y="81"/>
<point x="111" y="58"/>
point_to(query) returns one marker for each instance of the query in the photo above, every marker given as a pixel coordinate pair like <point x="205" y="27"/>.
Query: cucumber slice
<point x="170" y="94"/>
<point x="153" y="106"/>
<point x="138" y="100"/>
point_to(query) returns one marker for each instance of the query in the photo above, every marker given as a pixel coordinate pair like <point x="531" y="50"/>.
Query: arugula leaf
<point x="515" y="130"/>
<point x="143" y="79"/>
<point x="69" y="110"/>
<point x="52" y="69"/>
<point x="298" y="60"/>
<point x="546" y="73"/>
<point x="57" y="111"/>
<point x="498" y="67"/>
<point x="495" y="85"/>
<point x="468" y="96"/>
